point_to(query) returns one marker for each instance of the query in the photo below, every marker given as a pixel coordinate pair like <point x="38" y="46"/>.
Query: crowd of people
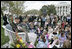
<point x="52" y="31"/>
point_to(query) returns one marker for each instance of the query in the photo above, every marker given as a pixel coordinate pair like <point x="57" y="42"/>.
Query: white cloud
<point x="33" y="5"/>
<point x="38" y="4"/>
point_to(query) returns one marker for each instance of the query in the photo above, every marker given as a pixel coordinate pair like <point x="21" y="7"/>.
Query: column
<point x="59" y="11"/>
<point x="65" y="11"/>
<point x="56" y="10"/>
<point x="62" y="10"/>
<point x="68" y="9"/>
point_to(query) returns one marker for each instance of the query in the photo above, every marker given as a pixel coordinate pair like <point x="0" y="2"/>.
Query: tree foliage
<point x="33" y="11"/>
<point x="14" y="7"/>
<point x="48" y="9"/>
<point x="51" y="9"/>
<point x="43" y="10"/>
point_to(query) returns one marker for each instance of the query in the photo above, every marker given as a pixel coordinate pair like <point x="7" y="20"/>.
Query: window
<point x="63" y="6"/>
<point x="63" y="13"/>
<point x="66" y="8"/>
<point x="58" y="7"/>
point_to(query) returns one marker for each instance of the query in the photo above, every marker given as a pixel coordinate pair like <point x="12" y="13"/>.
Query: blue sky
<point x="38" y="4"/>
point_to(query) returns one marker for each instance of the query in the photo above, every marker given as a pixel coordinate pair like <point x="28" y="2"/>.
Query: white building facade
<point x="63" y="8"/>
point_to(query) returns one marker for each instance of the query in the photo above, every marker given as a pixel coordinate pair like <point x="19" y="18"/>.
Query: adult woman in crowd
<point x="43" y="43"/>
<point x="62" y="38"/>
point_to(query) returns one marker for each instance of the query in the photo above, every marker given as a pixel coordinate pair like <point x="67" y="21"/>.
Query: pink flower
<point x="48" y="45"/>
<point x="31" y="46"/>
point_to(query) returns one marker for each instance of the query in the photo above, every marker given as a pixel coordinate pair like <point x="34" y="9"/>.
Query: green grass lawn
<point x="4" y="39"/>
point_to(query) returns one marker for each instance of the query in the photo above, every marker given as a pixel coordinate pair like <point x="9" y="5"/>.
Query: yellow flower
<point x="21" y="40"/>
<point x="23" y="44"/>
<point x="17" y="45"/>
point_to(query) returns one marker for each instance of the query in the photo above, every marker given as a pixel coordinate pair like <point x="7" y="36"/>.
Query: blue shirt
<point x="8" y="26"/>
<point x="62" y="38"/>
<point x="43" y="19"/>
<point x="41" y="44"/>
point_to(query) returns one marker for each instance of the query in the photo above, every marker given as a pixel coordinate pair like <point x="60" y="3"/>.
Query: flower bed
<point x="15" y="41"/>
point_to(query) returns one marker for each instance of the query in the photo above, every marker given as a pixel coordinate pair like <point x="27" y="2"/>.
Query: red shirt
<point x="12" y="19"/>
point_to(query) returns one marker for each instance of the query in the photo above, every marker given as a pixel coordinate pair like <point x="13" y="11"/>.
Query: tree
<point x="48" y="9"/>
<point x="33" y="11"/>
<point x="14" y="7"/>
<point x="51" y="9"/>
<point x="44" y="10"/>
<point x="3" y="7"/>
<point x="18" y="7"/>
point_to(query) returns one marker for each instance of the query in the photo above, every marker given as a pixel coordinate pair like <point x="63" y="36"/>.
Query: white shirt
<point x="68" y="17"/>
<point x="50" y="30"/>
<point x="35" y="23"/>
